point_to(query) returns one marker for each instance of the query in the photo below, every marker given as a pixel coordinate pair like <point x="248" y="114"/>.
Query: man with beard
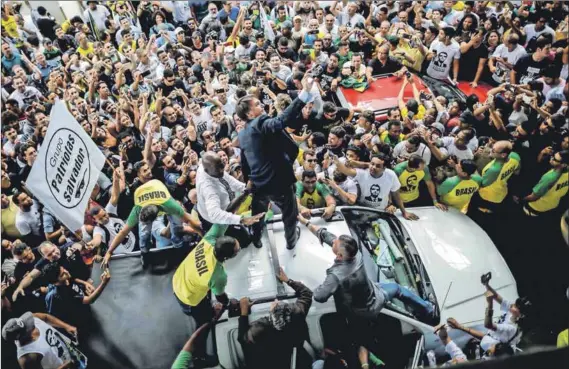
<point x="227" y="146"/>
<point x="67" y="256"/>
<point x="109" y="224"/>
<point x="333" y="116"/>
<point x="330" y="74"/>
<point x="28" y="218"/>
<point x="129" y="146"/>
<point x="279" y="73"/>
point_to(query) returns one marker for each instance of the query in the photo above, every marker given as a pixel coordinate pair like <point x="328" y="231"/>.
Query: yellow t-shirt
<point x="11" y="26"/>
<point x="456" y="192"/>
<point x="497" y="191"/>
<point x="552" y="187"/>
<point x="420" y="114"/>
<point x="563" y="339"/>
<point x="85" y="52"/>
<point x="9" y="220"/>
<point x="410" y="180"/>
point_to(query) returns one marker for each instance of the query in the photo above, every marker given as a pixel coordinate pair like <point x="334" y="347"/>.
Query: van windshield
<point x="389" y="257"/>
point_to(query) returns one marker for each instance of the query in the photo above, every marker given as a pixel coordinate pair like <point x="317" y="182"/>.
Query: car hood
<point x="456" y="252"/>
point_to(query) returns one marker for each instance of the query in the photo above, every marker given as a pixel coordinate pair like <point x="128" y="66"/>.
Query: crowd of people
<point x="212" y="116"/>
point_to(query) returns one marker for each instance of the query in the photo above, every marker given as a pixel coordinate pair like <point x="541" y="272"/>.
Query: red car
<point x="382" y="94"/>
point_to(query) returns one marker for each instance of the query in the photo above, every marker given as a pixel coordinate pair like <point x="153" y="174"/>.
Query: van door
<point x="417" y="360"/>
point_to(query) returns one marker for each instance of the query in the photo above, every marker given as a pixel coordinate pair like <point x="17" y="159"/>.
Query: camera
<point x="485" y="278"/>
<point x="408" y="74"/>
<point x="406" y="36"/>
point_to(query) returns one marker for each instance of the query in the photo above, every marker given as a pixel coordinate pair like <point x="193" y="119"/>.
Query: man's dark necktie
<point x="227" y="188"/>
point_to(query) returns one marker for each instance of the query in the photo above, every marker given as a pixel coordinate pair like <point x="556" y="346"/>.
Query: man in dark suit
<point x="267" y="155"/>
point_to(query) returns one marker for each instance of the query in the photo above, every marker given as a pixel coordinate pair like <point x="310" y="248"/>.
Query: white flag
<point x="66" y="169"/>
<point x="269" y="33"/>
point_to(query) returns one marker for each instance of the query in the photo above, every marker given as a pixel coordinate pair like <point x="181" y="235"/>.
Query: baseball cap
<point x="439" y="127"/>
<point x="286" y="24"/>
<point x="178" y="30"/>
<point x="17" y="328"/>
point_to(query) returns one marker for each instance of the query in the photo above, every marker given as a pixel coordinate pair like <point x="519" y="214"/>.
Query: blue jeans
<point x="394" y="290"/>
<point x="152" y="229"/>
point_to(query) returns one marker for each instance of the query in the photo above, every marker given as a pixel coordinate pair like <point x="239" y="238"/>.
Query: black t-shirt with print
<point x="66" y="302"/>
<point x="326" y="77"/>
<point x="324" y="124"/>
<point x="528" y="70"/>
<point x="72" y="262"/>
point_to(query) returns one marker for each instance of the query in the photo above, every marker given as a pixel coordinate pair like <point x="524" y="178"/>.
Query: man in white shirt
<point x="28" y="218"/>
<point x="96" y="15"/>
<point x="216" y="190"/>
<point x="23" y="94"/>
<point x="505" y="58"/>
<point x="533" y="31"/>
<point x="413" y="145"/>
<point x="348" y="16"/>
<point x="443" y="52"/>
<point x="377" y="185"/>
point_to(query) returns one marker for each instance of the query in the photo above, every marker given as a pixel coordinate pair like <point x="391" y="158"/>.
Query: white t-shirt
<point x="203" y="122"/>
<point x="375" y="191"/>
<point x="99" y="16"/>
<point x="114" y="226"/>
<point x="441" y="64"/>
<point x="27" y="97"/>
<point x="400" y="151"/>
<point x="449" y="149"/>
<point x="29" y="222"/>
<point x="505" y="330"/>
<point x="502" y="73"/>
<point x="532" y="33"/>
<point x="345" y="19"/>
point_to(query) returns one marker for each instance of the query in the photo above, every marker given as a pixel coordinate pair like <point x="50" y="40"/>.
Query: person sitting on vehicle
<point x="65" y="297"/>
<point x="354" y="293"/>
<point x="457" y="191"/>
<point x="312" y="194"/>
<point x="410" y="174"/>
<point x="268" y="341"/>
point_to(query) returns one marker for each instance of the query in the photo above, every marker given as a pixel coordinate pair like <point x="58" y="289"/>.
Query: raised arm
<point x="290" y="114"/>
<point x="343" y="168"/>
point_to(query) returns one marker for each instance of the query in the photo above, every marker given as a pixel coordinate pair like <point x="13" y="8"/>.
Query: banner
<point x="269" y="33"/>
<point x="66" y="169"/>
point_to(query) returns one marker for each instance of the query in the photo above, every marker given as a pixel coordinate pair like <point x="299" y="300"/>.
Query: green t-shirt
<point x="153" y="192"/>
<point x="314" y="200"/>
<point x="183" y="360"/>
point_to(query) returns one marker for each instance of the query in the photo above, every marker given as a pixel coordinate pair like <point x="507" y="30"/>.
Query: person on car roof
<point x="355" y="295"/>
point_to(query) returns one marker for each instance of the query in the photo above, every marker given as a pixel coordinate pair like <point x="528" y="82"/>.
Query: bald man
<point x="216" y="190"/>
<point x="495" y="177"/>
